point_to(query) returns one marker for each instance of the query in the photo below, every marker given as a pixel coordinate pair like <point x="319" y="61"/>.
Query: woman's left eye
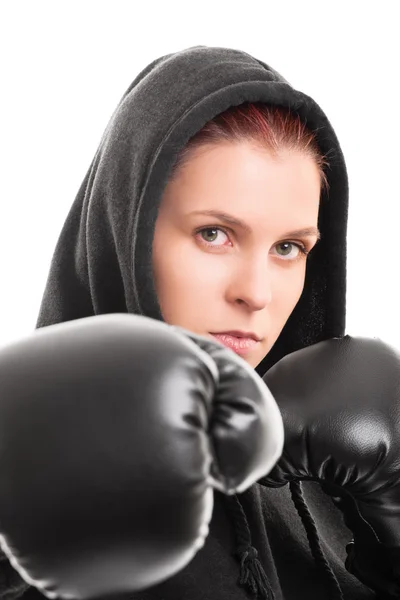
<point x="301" y="250"/>
<point x="287" y="245"/>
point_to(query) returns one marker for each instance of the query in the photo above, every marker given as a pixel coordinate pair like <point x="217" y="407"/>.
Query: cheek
<point x="288" y="288"/>
<point x="186" y="282"/>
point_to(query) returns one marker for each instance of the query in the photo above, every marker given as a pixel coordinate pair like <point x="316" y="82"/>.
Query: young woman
<point x="217" y="202"/>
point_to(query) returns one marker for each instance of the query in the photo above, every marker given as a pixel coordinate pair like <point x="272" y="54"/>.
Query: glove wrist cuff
<point x="375" y="565"/>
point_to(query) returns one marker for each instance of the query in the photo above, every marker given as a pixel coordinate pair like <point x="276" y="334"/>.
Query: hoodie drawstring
<point x="252" y="575"/>
<point x="335" y="592"/>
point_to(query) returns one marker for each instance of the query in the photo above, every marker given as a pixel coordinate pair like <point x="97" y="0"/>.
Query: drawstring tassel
<point x="252" y="574"/>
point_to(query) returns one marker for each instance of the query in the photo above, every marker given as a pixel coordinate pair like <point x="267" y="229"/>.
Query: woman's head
<point x="104" y="261"/>
<point x="263" y="167"/>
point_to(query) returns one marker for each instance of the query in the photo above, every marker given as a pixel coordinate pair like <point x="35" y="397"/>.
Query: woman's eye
<point x="286" y="250"/>
<point x="210" y="234"/>
<point x="288" y="247"/>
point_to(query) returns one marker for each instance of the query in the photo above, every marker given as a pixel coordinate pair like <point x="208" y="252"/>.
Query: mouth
<point x="239" y="344"/>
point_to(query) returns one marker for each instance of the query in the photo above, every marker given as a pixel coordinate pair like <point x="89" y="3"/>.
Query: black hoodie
<point x="286" y="543"/>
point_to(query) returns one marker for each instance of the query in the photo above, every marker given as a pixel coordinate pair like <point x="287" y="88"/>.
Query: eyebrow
<point x="231" y="220"/>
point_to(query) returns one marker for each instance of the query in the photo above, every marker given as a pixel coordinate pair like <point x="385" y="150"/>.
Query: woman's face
<point x="227" y="277"/>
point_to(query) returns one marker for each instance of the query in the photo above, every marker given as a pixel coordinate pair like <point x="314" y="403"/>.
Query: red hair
<point x="274" y="128"/>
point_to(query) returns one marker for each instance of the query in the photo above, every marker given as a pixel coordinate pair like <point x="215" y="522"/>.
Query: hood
<point x="103" y="258"/>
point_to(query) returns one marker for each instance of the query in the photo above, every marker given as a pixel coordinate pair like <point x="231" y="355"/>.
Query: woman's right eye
<point x="211" y="231"/>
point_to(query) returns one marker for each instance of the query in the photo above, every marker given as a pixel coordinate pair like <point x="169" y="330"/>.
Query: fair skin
<point x="225" y="278"/>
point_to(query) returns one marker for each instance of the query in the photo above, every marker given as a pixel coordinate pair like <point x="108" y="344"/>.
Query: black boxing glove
<point x="340" y="403"/>
<point x="114" y="430"/>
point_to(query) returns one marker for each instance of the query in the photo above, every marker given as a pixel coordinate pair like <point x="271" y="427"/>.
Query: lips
<point x="239" y="334"/>
<point x="240" y="345"/>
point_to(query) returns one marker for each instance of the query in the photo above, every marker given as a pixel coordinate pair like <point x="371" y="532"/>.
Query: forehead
<point x="247" y="163"/>
<point x="244" y="179"/>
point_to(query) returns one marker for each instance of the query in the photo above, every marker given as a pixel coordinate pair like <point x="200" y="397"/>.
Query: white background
<point x="65" y="65"/>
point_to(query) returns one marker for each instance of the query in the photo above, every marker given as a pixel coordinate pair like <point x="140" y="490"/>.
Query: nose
<point x="252" y="285"/>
